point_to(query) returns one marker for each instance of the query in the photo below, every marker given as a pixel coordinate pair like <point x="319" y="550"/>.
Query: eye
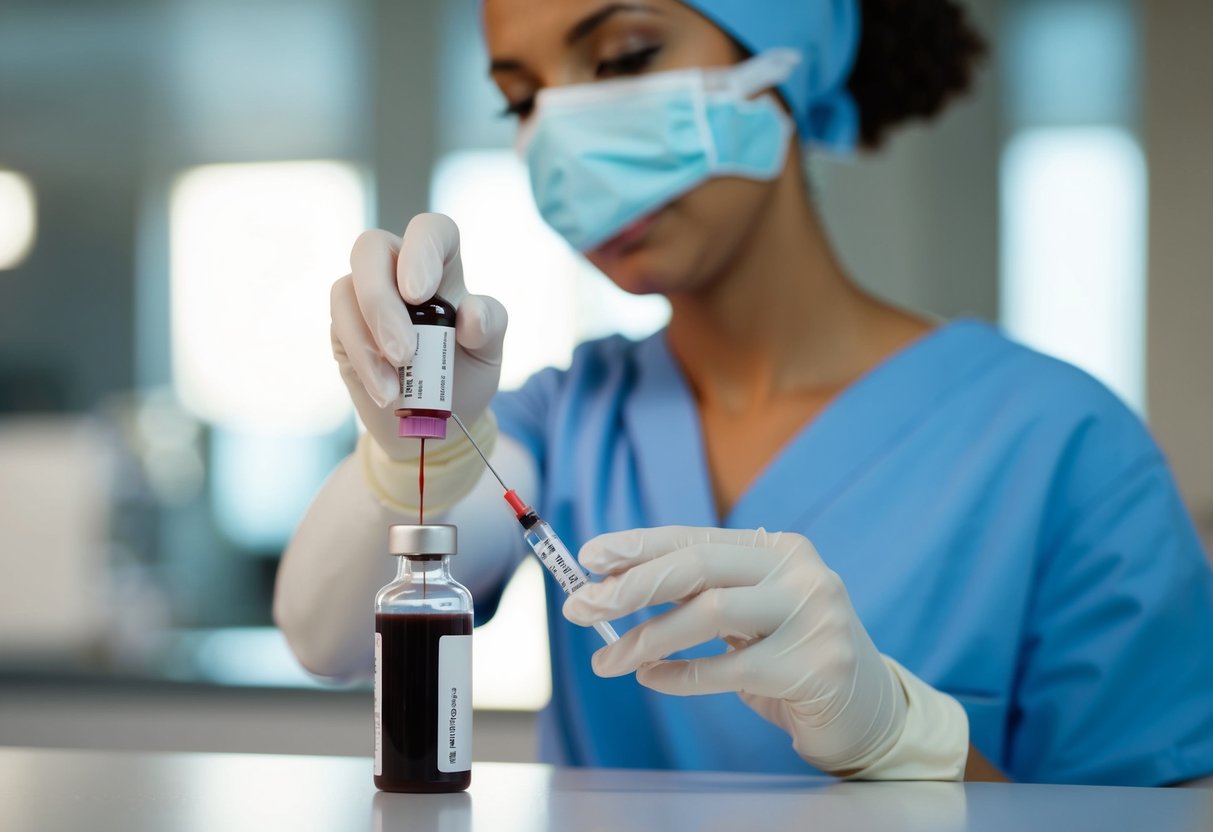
<point x="518" y="109"/>
<point x="629" y="63"/>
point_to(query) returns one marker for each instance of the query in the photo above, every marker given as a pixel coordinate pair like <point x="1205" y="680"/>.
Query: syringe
<point x="544" y="542"/>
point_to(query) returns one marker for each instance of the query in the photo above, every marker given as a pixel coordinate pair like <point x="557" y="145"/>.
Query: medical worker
<point x="837" y="535"/>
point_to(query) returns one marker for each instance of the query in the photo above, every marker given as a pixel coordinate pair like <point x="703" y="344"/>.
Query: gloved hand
<point x="798" y="654"/>
<point x="372" y="336"/>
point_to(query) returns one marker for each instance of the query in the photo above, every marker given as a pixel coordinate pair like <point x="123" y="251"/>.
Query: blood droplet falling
<point x="421" y="503"/>
<point x="421" y="487"/>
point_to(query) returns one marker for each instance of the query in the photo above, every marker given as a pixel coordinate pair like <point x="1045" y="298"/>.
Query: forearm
<point x="1198" y="783"/>
<point x="936" y="722"/>
<point x="330" y="572"/>
<point x="979" y="769"/>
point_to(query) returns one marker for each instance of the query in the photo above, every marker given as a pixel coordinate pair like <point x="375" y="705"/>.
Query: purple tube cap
<point x="422" y="427"/>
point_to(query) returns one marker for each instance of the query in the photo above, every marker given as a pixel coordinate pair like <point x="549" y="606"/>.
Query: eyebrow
<point x="591" y="22"/>
<point x="579" y="31"/>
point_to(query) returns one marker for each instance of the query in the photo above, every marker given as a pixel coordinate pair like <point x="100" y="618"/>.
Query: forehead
<point x="516" y="27"/>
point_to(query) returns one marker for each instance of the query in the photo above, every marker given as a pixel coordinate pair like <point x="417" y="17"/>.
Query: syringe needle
<point x="488" y="464"/>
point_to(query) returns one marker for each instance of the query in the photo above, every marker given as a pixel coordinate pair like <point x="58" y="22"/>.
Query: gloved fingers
<point x="736" y="612"/>
<point x="676" y="576"/>
<point x="364" y="402"/>
<point x="480" y="327"/>
<point x="429" y="262"/>
<point x="694" y="677"/>
<point x="355" y="348"/>
<point x="770" y="708"/>
<point x="617" y="551"/>
<point x="373" y="262"/>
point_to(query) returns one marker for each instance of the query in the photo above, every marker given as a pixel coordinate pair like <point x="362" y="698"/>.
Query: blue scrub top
<point x="1006" y="528"/>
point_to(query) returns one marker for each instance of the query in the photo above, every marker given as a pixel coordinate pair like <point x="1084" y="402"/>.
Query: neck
<point x="782" y="317"/>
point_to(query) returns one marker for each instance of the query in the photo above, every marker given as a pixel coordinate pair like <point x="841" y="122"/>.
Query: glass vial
<point x="426" y="382"/>
<point x="423" y="667"/>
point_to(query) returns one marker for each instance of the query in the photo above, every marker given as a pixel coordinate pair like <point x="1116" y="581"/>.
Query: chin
<point x="645" y="270"/>
<point x="633" y="275"/>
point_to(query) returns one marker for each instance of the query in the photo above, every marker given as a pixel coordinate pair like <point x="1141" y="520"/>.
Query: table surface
<point x="51" y="790"/>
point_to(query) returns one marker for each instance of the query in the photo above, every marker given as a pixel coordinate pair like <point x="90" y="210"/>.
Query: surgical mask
<point x="602" y="156"/>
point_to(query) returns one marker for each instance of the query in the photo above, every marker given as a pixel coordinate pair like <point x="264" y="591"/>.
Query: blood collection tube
<point x="426" y="382"/>
<point x="423" y="667"/>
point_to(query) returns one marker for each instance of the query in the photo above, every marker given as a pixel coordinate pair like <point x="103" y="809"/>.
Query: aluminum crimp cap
<point x="434" y="539"/>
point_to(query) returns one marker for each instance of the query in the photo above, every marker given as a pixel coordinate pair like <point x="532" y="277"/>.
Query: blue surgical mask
<point x="604" y="155"/>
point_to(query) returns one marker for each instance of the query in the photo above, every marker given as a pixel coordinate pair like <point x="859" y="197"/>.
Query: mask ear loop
<point x="699" y="107"/>
<point x="753" y="75"/>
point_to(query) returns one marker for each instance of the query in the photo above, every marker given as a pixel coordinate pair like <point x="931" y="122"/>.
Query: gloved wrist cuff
<point x="451" y="470"/>
<point x="934" y="743"/>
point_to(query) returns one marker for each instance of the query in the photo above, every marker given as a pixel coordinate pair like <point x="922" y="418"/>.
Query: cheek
<point x="722" y="208"/>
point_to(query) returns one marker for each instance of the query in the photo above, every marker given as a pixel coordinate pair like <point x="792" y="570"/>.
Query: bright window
<point x="18" y="218"/>
<point x="262" y="483"/>
<point x="253" y="251"/>
<point x="1074" y="226"/>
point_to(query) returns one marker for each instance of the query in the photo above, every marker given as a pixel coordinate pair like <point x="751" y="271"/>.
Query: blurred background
<point x="181" y="180"/>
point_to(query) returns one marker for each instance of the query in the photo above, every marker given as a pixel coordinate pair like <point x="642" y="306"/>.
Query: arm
<point x="980" y="770"/>
<point x="337" y="560"/>
<point x="329" y="575"/>
<point x="1198" y="783"/>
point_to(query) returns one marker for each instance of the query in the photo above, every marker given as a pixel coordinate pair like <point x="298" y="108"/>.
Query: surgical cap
<point x="826" y="32"/>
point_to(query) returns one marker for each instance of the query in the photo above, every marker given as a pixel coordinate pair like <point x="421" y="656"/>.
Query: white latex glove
<point x="798" y="654"/>
<point x="373" y="336"/>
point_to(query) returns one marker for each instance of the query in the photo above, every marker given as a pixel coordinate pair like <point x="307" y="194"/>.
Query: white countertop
<point x="51" y="790"/>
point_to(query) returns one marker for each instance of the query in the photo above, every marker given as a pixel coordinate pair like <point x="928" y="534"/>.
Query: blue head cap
<point x="826" y="32"/>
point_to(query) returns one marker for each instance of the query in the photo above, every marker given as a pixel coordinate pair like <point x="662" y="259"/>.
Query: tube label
<point x="556" y="558"/>
<point x="454" y="703"/>
<point x="425" y="383"/>
<point x="378" y="705"/>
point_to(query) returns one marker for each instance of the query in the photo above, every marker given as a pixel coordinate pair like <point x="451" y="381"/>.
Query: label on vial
<point x="425" y="383"/>
<point x="378" y="705"/>
<point x="454" y="703"/>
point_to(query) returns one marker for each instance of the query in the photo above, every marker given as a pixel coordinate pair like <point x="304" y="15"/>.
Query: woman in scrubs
<point x="836" y="535"/>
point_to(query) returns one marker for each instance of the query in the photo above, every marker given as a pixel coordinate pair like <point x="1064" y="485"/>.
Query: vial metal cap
<point x="432" y="539"/>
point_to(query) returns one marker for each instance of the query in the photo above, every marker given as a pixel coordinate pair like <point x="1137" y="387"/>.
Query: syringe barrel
<point x="557" y="559"/>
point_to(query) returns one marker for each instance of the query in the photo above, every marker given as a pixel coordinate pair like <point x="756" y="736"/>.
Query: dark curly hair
<point x="914" y="57"/>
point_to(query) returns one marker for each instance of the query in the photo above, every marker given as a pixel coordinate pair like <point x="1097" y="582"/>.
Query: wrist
<point x="452" y="469"/>
<point x="934" y="740"/>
